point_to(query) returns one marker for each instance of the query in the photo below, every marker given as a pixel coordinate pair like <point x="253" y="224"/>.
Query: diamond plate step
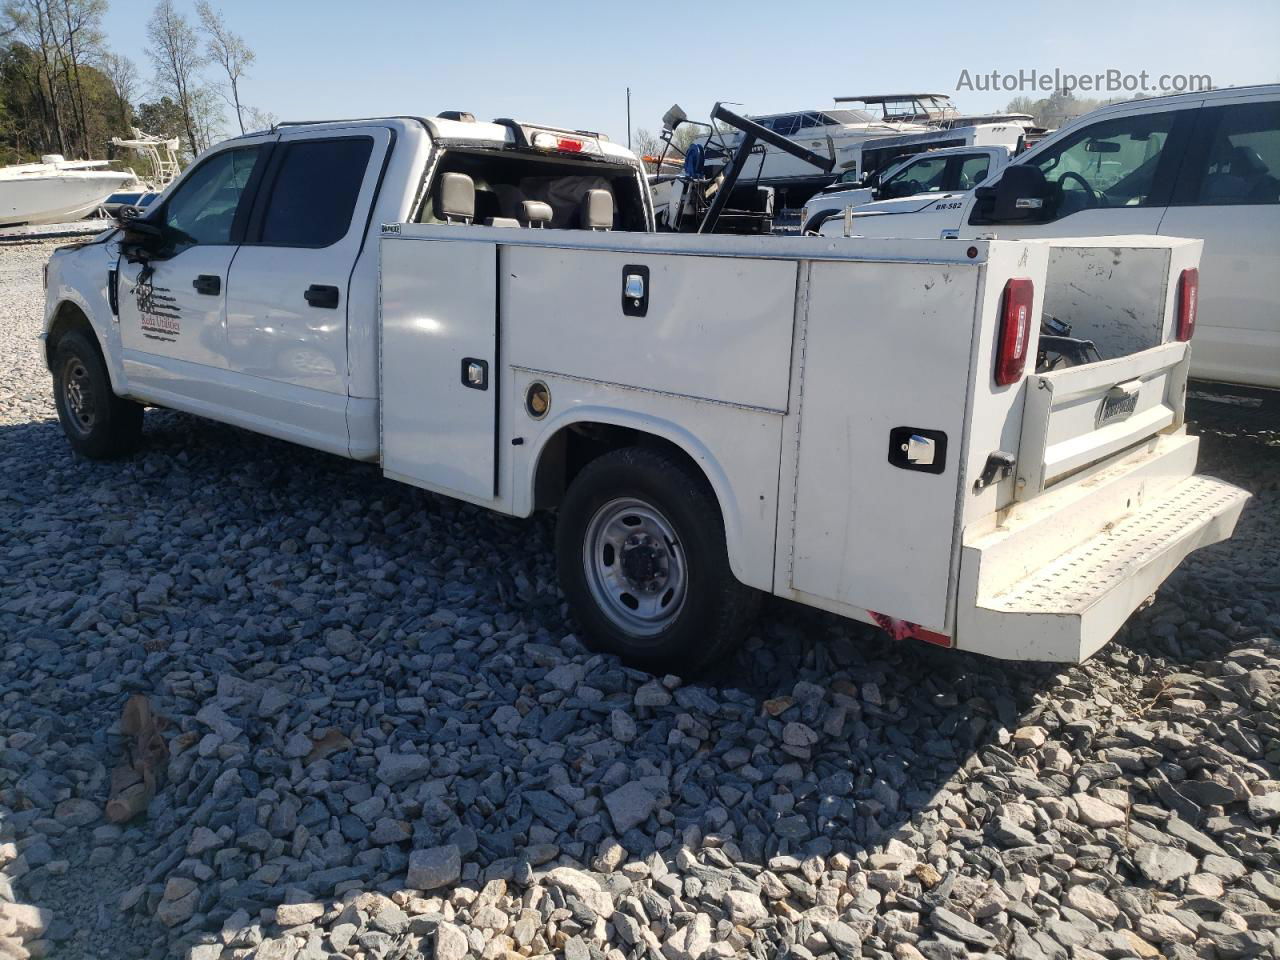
<point x="1079" y="578"/>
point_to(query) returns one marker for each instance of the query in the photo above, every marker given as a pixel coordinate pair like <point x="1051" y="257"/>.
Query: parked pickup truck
<point x="484" y="310"/>
<point x="917" y="182"/>
<point x="1204" y="165"/>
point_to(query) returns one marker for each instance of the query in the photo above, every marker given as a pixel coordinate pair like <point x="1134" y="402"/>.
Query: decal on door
<point x="158" y="312"/>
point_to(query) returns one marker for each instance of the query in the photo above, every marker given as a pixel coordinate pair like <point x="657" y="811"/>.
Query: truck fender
<point x="691" y="445"/>
<point x="68" y="295"/>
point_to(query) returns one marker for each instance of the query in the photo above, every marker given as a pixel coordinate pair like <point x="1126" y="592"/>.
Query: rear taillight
<point x="1015" y="330"/>
<point x="1188" y="301"/>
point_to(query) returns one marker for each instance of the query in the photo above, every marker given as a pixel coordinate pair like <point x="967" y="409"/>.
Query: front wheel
<point x="98" y="424"/>
<point x="641" y="552"/>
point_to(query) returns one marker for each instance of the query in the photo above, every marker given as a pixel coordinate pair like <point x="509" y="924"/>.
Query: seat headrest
<point x="597" y="210"/>
<point x="456" y="198"/>
<point x="502" y="222"/>
<point x="535" y="212"/>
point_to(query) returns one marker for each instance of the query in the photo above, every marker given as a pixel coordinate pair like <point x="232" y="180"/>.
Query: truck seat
<point x="597" y="210"/>
<point x="456" y="198"/>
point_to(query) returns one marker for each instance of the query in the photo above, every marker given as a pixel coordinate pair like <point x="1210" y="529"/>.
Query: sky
<point x="569" y="64"/>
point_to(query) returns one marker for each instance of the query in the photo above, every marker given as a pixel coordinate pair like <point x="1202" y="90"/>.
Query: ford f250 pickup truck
<point x="484" y="310"/>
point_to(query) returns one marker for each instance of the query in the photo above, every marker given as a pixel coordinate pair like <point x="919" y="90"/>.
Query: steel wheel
<point x="78" y="395"/>
<point x="635" y="566"/>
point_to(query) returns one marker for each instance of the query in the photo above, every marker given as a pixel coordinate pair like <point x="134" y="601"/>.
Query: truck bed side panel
<point x="886" y="345"/>
<point x="716" y="328"/>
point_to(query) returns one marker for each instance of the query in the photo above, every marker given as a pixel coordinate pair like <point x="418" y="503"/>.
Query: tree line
<point x="63" y="90"/>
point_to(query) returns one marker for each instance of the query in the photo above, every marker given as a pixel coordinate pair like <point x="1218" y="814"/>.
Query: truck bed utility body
<point x="854" y="425"/>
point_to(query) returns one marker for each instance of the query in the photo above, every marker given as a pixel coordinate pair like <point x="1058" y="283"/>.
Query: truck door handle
<point x="322" y="296"/>
<point x="207" y="284"/>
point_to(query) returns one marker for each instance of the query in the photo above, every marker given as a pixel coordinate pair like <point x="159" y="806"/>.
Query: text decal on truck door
<point x="157" y="309"/>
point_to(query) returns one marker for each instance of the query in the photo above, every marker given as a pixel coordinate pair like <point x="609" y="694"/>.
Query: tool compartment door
<point x="711" y="327"/>
<point x="439" y="318"/>
<point x="887" y="346"/>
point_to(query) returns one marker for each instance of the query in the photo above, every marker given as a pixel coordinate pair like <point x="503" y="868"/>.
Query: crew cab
<point x="1203" y="165"/>
<point x="484" y="311"/>
<point x="911" y="184"/>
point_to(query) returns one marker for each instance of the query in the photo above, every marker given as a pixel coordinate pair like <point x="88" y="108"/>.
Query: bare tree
<point x="260" y="119"/>
<point x="122" y="74"/>
<point x="229" y="51"/>
<point x="175" y="53"/>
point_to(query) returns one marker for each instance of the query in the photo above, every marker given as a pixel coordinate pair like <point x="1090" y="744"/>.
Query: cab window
<point x="1242" y="164"/>
<point x="923" y="176"/>
<point x="972" y="171"/>
<point x="1107" y="164"/>
<point x="313" y="194"/>
<point x="202" y="210"/>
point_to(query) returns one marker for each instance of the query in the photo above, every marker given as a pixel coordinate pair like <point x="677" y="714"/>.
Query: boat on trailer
<point x="57" y="190"/>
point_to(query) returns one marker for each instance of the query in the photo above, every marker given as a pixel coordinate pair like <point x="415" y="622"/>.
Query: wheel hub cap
<point x="635" y="566"/>
<point x="78" y="394"/>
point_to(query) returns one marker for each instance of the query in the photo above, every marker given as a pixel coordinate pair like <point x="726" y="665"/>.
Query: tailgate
<point x="1123" y="297"/>
<point x="1079" y="415"/>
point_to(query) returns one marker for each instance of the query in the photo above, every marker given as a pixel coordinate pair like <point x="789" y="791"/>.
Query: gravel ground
<point x="383" y="740"/>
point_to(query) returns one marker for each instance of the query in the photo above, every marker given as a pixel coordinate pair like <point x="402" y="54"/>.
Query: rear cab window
<point x="313" y="191"/>
<point x="1235" y="158"/>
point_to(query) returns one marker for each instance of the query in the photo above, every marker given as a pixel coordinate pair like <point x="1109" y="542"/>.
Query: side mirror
<point x="1021" y="195"/>
<point x="128" y="212"/>
<point x="142" y="240"/>
<point x="673" y="117"/>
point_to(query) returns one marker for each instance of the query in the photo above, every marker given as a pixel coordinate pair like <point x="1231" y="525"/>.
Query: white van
<point x="1202" y="165"/>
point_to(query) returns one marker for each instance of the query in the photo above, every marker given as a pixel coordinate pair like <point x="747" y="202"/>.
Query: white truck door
<point x="1228" y="194"/>
<point x="1114" y="176"/>
<point x="287" y="306"/>
<point x="172" y="310"/>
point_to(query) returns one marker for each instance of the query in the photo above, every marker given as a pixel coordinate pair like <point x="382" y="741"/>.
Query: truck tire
<point x="640" y="547"/>
<point x="98" y="424"/>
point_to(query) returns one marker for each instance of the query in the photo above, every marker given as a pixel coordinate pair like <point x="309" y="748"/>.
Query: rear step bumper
<point x="1067" y="608"/>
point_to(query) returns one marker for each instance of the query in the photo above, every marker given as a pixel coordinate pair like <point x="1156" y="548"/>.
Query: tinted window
<point x="203" y="207"/>
<point x="1243" y="161"/>
<point x="1108" y="164"/>
<point x="314" y="192"/>
<point x="973" y="170"/>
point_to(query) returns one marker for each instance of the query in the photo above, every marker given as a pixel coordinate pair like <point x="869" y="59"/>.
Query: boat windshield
<point x="849" y="116"/>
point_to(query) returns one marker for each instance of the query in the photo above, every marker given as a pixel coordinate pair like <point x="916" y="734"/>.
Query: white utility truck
<point x="483" y="310"/>
<point x="909" y="185"/>
<point x="1203" y="165"/>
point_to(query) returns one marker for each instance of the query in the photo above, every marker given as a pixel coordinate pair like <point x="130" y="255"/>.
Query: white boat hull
<point x="57" y="197"/>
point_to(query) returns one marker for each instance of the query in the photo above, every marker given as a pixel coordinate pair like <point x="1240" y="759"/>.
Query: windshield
<point x="849" y="116"/>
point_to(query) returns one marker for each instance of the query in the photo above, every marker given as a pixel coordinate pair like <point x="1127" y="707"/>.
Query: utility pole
<point x="628" y="118"/>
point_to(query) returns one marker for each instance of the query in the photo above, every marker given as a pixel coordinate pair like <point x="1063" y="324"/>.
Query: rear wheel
<point x="641" y="551"/>
<point x="98" y="424"/>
